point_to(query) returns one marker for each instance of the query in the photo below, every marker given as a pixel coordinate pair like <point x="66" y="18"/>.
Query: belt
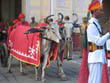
<point x="93" y="47"/>
<point x="68" y="38"/>
<point x="100" y="47"/>
<point x="108" y="51"/>
<point x="108" y="54"/>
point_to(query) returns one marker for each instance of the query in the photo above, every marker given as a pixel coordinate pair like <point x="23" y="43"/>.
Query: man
<point x="83" y="25"/>
<point x="15" y="22"/>
<point x="96" y="41"/>
<point x="68" y="28"/>
<point x="33" y="23"/>
<point x="22" y="21"/>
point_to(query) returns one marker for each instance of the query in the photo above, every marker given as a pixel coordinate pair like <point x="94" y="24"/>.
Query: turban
<point x="95" y="5"/>
<point x="15" y="21"/>
<point x="21" y="16"/>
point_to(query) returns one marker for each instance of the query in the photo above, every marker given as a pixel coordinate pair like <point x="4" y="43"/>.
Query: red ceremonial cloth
<point x="43" y="24"/>
<point x="9" y="31"/>
<point x="84" y="71"/>
<point x="53" y="54"/>
<point x="19" y="23"/>
<point x="24" y="47"/>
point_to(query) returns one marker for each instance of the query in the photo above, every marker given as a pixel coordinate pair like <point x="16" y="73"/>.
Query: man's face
<point x="33" y="19"/>
<point x="23" y="19"/>
<point x="84" y="20"/>
<point x="98" y="13"/>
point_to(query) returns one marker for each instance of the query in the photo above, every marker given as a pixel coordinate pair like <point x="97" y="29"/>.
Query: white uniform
<point x="96" y="58"/>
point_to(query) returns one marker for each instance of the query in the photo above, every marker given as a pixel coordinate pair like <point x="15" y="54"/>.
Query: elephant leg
<point x="47" y="45"/>
<point x="69" y="48"/>
<point x="44" y="67"/>
<point x="21" y="68"/>
<point x="9" y="63"/>
<point x="36" y="74"/>
<point x="60" y="70"/>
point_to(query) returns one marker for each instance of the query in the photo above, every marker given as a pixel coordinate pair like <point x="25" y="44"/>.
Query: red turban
<point x="21" y="16"/>
<point x="95" y="5"/>
<point x="15" y="21"/>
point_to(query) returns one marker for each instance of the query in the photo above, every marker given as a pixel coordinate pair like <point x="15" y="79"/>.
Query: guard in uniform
<point x="96" y="41"/>
<point x="22" y="21"/>
<point x="83" y="26"/>
<point x="33" y="24"/>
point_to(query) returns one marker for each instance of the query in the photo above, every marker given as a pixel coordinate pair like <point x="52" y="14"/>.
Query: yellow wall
<point x="81" y="8"/>
<point x="63" y="6"/>
<point x="43" y="8"/>
<point x="37" y="8"/>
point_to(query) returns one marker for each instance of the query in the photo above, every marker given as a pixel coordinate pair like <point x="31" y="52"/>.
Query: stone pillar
<point x="12" y="9"/>
<point x="5" y="10"/>
<point x="24" y="6"/>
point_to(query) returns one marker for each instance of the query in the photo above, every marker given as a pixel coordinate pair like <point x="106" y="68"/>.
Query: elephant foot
<point x="22" y="73"/>
<point x="62" y="76"/>
<point x="69" y="58"/>
<point x="9" y="71"/>
<point x="38" y="79"/>
<point x="44" y="81"/>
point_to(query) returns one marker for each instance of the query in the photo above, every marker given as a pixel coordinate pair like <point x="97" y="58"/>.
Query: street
<point x="71" y="69"/>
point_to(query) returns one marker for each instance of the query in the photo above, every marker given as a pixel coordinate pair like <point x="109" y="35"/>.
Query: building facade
<point x="10" y="9"/>
<point x="43" y="8"/>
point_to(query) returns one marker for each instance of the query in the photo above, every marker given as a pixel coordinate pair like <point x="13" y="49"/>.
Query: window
<point x="60" y="3"/>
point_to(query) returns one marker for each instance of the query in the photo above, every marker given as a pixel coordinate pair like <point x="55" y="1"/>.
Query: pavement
<point x="71" y="69"/>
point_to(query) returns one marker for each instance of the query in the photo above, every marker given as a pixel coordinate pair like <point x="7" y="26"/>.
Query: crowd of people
<point x="19" y="21"/>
